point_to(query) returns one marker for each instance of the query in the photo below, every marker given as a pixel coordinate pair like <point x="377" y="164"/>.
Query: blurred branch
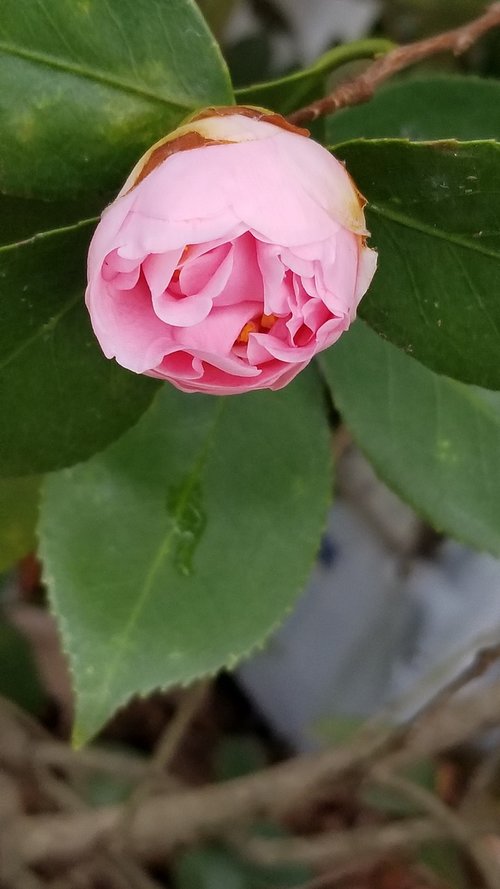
<point x="91" y="759"/>
<point x="362" y="88"/>
<point x="354" y="849"/>
<point x="175" y="731"/>
<point x="163" y="822"/>
<point x="168" y="745"/>
<point x="463" y="831"/>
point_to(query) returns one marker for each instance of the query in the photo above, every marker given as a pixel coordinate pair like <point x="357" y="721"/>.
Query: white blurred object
<point x="319" y="23"/>
<point x="315" y="25"/>
<point x="334" y="654"/>
<point x="376" y="629"/>
<point x="456" y="605"/>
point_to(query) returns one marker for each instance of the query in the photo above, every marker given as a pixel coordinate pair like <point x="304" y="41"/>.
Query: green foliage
<point x="423" y="108"/>
<point x="18" y="675"/>
<point x="61" y="399"/>
<point x="445" y="863"/>
<point x="286" y="94"/>
<point x="88" y="86"/>
<point x="237" y="756"/>
<point x="435" y="225"/>
<point x="215" y="867"/>
<point x="432" y="439"/>
<point x="18" y="517"/>
<point x="83" y="91"/>
<point x="179" y="548"/>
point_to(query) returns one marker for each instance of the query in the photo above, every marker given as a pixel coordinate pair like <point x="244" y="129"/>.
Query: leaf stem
<point x="362" y="88"/>
<point x="340" y="55"/>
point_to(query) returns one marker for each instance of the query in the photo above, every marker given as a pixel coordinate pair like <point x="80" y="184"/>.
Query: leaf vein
<point x="96" y="75"/>
<point x="162" y="554"/>
<point x="432" y="231"/>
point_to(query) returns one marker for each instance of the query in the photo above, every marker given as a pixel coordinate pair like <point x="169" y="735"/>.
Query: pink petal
<point x="218" y="332"/>
<point x="127" y="327"/>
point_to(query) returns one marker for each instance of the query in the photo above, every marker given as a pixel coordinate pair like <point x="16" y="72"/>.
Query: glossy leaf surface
<point x="435" y="220"/>
<point x="60" y="399"/>
<point x="178" y="549"/>
<point x="87" y="86"/>
<point x="435" y="441"/>
<point x="423" y="108"/>
<point x="286" y="94"/>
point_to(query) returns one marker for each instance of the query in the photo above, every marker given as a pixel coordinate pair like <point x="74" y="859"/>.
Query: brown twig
<point x="355" y="848"/>
<point x="174" y="734"/>
<point x="362" y="88"/>
<point x="163" y="822"/>
<point x="18" y="748"/>
<point x="480" y="661"/>
<point x="55" y="754"/>
<point x="460" y="829"/>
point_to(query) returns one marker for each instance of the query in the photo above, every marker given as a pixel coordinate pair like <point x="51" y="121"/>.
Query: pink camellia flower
<point x="234" y="253"/>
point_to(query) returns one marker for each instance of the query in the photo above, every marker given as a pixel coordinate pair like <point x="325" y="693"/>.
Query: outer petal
<point x="275" y="234"/>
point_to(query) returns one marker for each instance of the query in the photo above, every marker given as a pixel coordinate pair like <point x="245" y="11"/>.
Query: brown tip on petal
<point x="254" y="113"/>
<point x="361" y="198"/>
<point x="185" y="142"/>
<point x="190" y="138"/>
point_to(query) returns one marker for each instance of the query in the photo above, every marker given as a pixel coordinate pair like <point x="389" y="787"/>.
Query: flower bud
<point x="235" y="252"/>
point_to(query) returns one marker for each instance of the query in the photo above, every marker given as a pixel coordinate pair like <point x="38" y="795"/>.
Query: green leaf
<point x="435" y="441"/>
<point x="215" y="867"/>
<point x="22" y="218"/>
<point x="434" y="218"/>
<point x="60" y="399"/>
<point x="238" y="755"/>
<point x="18" y="673"/>
<point x="87" y="86"/>
<point x="446" y="863"/>
<point x="210" y="867"/>
<point x="286" y="94"/>
<point x="178" y="550"/>
<point x="421" y="109"/>
<point x="18" y="517"/>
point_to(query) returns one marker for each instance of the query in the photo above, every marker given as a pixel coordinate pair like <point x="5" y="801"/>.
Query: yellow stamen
<point x="250" y="327"/>
<point x="177" y="272"/>
<point x="267" y="321"/>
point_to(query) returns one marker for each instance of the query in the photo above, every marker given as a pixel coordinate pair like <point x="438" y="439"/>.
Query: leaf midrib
<point x="52" y="323"/>
<point x="96" y="76"/>
<point x="49" y="233"/>
<point x="162" y="554"/>
<point x="432" y="231"/>
<point x="46" y="327"/>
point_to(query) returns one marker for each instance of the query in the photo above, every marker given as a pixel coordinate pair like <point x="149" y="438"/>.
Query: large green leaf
<point x="178" y="549"/>
<point x="432" y="439"/>
<point x="18" y="516"/>
<point x="22" y="218"/>
<point x="286" y="94"/>
<point x="435" y="219"/>
<point x="86" y="86"/>
<point x="436" y="107"/>
<point x="60" y="399"/>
